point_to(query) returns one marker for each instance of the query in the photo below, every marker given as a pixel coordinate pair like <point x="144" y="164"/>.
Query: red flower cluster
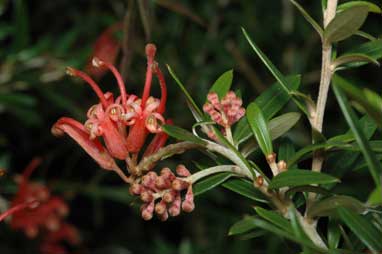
<point x="36" y="212"/>
<point x="123" y="123"/>
<point x="162" y="193"/>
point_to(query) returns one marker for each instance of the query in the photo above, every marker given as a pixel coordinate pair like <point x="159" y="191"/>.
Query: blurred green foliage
<point x="198" y="39"/>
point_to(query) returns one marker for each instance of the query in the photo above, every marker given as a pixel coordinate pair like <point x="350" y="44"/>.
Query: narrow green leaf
<point x="242" y="226"/>
<point x="345" y="24"/>
<point x="275" y="72"/>
<point x="352" y="58"/>
<point x="362" y="228"/>
<point x="197" y="113"/>
<point x="365" y="35"/>
<point x="328" y="206"/>
<point x="286" y="150"/>
<point x="210" y="183"/>
<point x="274" y="218"/>
<point x="371" y="7"/>
<point x="223" y="84"/>
<point x="372" y="49"/>
<point x="270" y="101"/>
<point x="259" y="128"/>
<point x="374" y="165"/>
<point x="292" y="178"/>
<point x="334" y="234"/>
<point x="182" y="134"/>
<point x="281" y="124"/>
<point x="246" y="189"/>
<point x="307" y="188"/>
<point x="308" y="18"/>
<point x="375" y="197"/>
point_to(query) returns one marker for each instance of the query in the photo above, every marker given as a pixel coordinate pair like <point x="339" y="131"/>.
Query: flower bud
<point x="169" y="196"/>
<point x="147" y="196"/>
<point x="148" y="180"/>
<point x="160" y="208"/>
<point x="188" y="204"/>
<point x="164" y="216"/>
<point x="174" y="209"/>
<point x="162" y="183"/>
<point x="167" y="174"/>
<point x="136" y="189"/>
<point x="181" y="170"/>
<point x="282" y="166"/>
<point x="179" y="185"/>
<point x="147" y="211"/>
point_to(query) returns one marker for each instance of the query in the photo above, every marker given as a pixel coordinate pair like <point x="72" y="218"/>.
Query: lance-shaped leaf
<point x="270" y="101"/>
<point x="196" y="112"/>
<point x="210" y="182"/>
<point x="352" y="58"/>
<point x="308" y="18"/>
<point x="371" y="6"/>
<point x="375" y="167"/>
<point x="259" y="128"/>
<point x="245" y="188"/>
<point x="362" y="228"/>
<point x="292" y="178"/>
<point x="182" y="134"/>
<point x="345" y="24"/>
<point x="242" y="226"/>
<point x="372" y="49"/>
<point x="274" y="218"/>
<point x="223" y="84"/>
<point x="328" y="206"/>
<point x="275" y="72"/>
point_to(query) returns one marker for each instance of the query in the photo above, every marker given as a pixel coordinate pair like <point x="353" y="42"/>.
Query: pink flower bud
<point x="147" y="211"/>
<point x="188" y="204"/>
<point x="174" y="209"/>
<point x="160" y="208"/>
<point x="147" y="196"/>
<point x="179" y="185"/>
<point x="167" y="174"/>
<point x="207" y="107"/>
<point x="162" y="183"/>
<point x="181" y="170"/>
<point x="164" y="216"/>
<point x="149" y="179"/>
<point x="169" y="196"/>
<point x="136" y="189"/>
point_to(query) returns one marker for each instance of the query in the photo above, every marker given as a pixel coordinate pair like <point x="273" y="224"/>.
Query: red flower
<point x="123" y="123"/>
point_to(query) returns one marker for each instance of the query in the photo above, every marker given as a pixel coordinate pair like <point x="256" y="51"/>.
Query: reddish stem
<point x="73" y="72"/>
<point x="150" y="53"/>
<point x="17" y="208"/>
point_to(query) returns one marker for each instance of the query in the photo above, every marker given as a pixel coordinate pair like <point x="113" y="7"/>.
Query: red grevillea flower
<point x="36" y="212"/>
<point x="123" y="123"/>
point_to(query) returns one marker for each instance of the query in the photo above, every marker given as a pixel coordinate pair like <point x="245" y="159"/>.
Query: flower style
<point x="37" y="213"/>
<point x="123" y="123"/>
<point x="162" y="193"/>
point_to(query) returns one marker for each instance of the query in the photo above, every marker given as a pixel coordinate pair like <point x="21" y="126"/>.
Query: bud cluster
<point x="226" y="111"/>
<point x="162" y="193"/>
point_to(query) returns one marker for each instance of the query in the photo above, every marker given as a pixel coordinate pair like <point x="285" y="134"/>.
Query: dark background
<point x="199" y="40"/>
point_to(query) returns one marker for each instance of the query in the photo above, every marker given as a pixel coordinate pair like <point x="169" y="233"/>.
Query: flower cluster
<point x="162" y="193"/>
<point x="224" y="112"/>
<point x="37" y="213"/>
<point x="123" y="123"/>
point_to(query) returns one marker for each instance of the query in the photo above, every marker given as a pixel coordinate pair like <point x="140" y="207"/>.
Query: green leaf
<point x="223" y="84"/>
<point x="353" y="58"/>
<point x="362" y="228"/>
<point x="375" y="197"/>
<point x="246" y="189"/>
<point x="21" y="30"/>
<point x="292" y="178"/>
<point x="270" y="101"/>
<point x="372" y="49"/>
<point x="345" y="24"/>
<point x="307" y="188"/>
<point x="274" y="218"/>
<point x="259" y="128"/>
<point x="210" y="182"/>
<point x="196" y="112"/>
<point x="328" y="206"/>
<point x="371" y="7"/>
<point x="278" y="126"/>
<point x="275" y="72"/>
<point x="334" y="234"/>
<point x="374" y="165"/>
<point x="308" y="18"/>
<point x="286" y="150"/>
<point x="242" y="226"/>
<point x="182" y="134"/>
